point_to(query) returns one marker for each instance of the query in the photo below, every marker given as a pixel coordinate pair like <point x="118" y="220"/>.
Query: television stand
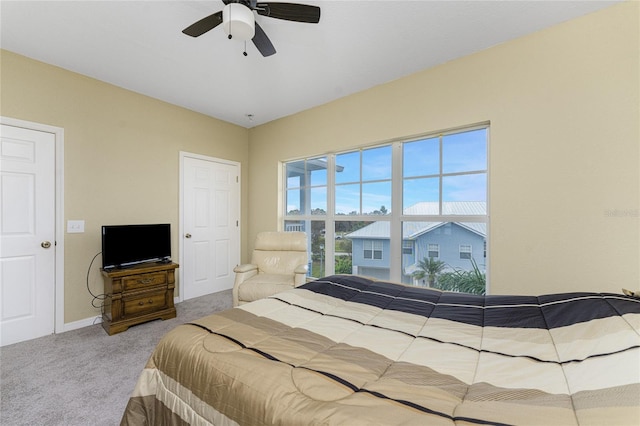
<point x="138" y="294"/>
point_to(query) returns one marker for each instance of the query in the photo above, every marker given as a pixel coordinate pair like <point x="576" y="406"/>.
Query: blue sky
<point x="464" y="153"/>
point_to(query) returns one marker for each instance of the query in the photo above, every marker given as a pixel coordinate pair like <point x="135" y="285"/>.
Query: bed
<point x="353" y="351"/>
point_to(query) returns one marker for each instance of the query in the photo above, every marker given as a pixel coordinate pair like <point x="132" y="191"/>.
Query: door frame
<point x="183" y="155"/>
<point x="58" y="132"/>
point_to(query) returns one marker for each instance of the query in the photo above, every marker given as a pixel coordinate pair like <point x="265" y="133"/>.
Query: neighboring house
<point x="454" y="243"/>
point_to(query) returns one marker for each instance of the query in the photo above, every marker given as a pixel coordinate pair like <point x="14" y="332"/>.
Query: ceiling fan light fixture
<point x="238" y="21"/>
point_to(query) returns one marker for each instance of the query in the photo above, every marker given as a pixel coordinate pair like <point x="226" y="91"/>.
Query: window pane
<point x="295" y="171"/>
<point x="348" y="199"/>
<point x="307" y="186"/>
<point x="421" y="158"/>
<point x="318" y="249"/>
<point x="343" y="247"/>
<point x="293" y="202"/>
<point x="460" y="264"/>
<point x="293" y="182"/>
<point x="317" y="168"/>
<point x="464" y="152"/>
<point x="407" y="247"/>
<point x="372" y="238"/>
<point x="319" y="200"/>
<point x="423" y="190"/>
<point x="348" y="167"/>
<point x="376" y="163"/>
<point x="372" y="249"/>
<point x="465" y="188"/>
<point x="465" y="251"/>
<point x="376" y="198"/>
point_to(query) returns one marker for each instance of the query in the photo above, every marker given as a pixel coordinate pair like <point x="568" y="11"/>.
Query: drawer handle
<point x="142" y="303"/>
<point x="146" y="281"/>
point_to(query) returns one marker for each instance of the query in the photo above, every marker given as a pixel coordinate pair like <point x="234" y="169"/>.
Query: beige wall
<point x="564" y="148"/>
<point x="121" y="157"/>
<point x="564" y="153"/>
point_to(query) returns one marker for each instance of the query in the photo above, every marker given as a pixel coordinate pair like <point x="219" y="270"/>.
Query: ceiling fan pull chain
<point x="245" y="48"/>
<point x="230" y="24"/>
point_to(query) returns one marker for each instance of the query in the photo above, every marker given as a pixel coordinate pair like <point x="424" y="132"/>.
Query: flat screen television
<point x="129" y="245"/>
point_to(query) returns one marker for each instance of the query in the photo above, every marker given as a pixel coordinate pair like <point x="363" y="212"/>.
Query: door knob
<point x="187" y="235"/>
<point x="45" y="244"/>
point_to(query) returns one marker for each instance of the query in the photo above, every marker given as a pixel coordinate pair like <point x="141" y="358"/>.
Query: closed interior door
<point x="211" y="232"/>
<point x="27" y="233"/>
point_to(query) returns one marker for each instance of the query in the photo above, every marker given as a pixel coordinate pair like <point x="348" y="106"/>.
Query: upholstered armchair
<point x="278" y="263"/>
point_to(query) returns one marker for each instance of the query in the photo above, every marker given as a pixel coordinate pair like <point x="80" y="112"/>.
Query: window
<point x="372" y="249"/>
<point x="446" y="175"/>
<point x="307" y="186"/>
<point x="418" y="198"/>
<point x="465" y="251"/>
<point x="363" y="182"/>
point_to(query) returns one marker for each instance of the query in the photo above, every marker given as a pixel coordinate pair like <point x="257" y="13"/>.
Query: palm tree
<point x="430" y="268"/>
<point x="474" y="281"/>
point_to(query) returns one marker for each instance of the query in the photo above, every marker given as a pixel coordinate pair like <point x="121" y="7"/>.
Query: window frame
<point x="376" y="247"/>
<point x="408" y="247"/>
<point x="462" y="250"/>
<point x="396" y="216"/>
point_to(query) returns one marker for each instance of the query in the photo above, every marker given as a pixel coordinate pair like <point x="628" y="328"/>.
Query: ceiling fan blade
<point x="204" y="25"/>
<point x="262" y="42"/>
<point x="290" y="12"/>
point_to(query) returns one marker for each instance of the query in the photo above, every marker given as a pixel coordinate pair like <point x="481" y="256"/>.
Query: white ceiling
<point x="138" y="45"/>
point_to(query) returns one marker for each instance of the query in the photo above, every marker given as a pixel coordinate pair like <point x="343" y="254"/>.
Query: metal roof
<point x="412" y="230"/>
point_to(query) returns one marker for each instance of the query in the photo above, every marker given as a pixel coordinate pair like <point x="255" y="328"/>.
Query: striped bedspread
<point x="347" y="350"/>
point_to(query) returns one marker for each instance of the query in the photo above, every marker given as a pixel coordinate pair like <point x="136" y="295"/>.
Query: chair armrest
<point x="243" y="272"/>
<point x="245" y="267"/>
<point x="301" y="269"/>
<point x="300" y="275"/>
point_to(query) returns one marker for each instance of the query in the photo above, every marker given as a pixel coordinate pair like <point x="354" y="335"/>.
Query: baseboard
<point x="82" y="323"/>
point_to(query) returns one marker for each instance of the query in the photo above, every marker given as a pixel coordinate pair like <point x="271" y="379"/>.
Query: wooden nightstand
<point x="138" y="294"/>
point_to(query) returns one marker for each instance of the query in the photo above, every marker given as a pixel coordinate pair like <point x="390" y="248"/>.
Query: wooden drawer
<point x="134" y="282"/>
<point x="138" y="294"/>
<point x="144" y="302"/>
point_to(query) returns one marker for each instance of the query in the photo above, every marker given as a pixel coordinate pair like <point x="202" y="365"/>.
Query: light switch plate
<point x="75" y="226"/>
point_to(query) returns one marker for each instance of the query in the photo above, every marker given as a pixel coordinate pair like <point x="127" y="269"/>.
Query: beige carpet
<point x="84" y="377"/>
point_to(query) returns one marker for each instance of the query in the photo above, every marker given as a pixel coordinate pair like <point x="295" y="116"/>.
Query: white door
<point x="210" y="225"/>
<point x="27" y="234"/>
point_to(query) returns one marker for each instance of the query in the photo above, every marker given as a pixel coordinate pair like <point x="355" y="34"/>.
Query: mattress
<point x="349" y="350"/>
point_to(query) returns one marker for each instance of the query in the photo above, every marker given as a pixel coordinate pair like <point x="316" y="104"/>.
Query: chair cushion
<point x="278" y="262"/>
<point x="287" y="241"/>
<point x="264" y="285"/>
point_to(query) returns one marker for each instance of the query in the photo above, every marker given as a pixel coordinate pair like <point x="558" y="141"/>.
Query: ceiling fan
<point x="238" y="20"/>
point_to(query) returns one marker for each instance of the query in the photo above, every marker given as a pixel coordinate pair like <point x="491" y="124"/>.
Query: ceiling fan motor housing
<point x="238" y="21"/>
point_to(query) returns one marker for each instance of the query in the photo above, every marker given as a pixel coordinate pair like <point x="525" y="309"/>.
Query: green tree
<point x="473" y="281"/>
<point x="343" y="265"/>
<point x="344" y="245"/>
<point x="430" y="268"/>
<point x="383" y="211"/>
